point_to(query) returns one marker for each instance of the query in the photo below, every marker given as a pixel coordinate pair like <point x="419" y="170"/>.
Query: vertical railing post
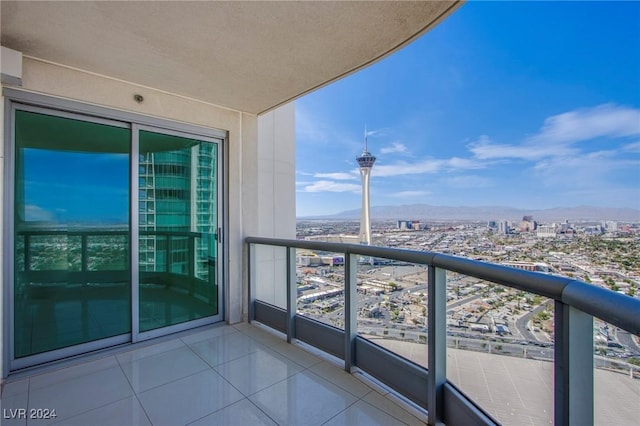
<point x="350" y="309"/>
<point x="573" y="367"/>
<point x="292" y="293"/>
<point x="169" y="259"/>
<point x="84" y="253"/>
<point x="251" y="284"/>
<point x="27" y="252"/>
<point x="192" y="253"/>
<point x="437" y="343"/>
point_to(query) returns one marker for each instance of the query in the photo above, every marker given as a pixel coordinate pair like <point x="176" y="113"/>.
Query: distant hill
<point x="425" y="212"/>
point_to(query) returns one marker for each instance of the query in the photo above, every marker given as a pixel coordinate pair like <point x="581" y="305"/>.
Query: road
<point x="521" y="323"/>
<point x="625" y="339"/>
<point x="463" y="301"/>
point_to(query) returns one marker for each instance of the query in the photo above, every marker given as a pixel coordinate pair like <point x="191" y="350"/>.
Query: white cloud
<point x="37" y="214"/>
<point x="484" y="149"/>
<point x="310" y="128"/>
<point x="582" y="171"/>
<point x="337" y="176"/>
<point x="467" y="181"/>
<point x="395" y="147"/>
<point x="429" y="165"/>
<point x="411" y="194"/>
<point x="632" y="147"/>
<point x="331" y="186"/>
<point x="560" y="132"/>
<point x="607" y="120"/>
<point x="378" y="132"/>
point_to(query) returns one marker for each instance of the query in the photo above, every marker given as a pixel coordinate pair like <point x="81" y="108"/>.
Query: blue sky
<point x="64" y="187"/>
<point x="520" y="104"/>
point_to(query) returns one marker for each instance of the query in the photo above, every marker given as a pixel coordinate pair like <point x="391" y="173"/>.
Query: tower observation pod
<point x="365" y="161"/>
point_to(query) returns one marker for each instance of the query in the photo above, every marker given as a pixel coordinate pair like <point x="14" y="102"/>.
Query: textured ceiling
<point x="248" y="56"/>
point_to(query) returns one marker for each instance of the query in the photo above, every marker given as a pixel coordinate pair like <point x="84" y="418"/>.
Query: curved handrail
<point x="615" y="308"/>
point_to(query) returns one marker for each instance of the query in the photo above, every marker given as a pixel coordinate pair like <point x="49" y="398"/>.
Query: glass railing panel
<point x="320" y="286"/>
<point x="500" y="349"/>
<point x="270" y="274"/>
<point x="616" y="378"/>
<point x="392" y="306"/>
<point x="107" y="252"/>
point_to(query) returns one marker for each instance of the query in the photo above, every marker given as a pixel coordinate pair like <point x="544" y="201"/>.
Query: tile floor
<point x="221" y="375"/>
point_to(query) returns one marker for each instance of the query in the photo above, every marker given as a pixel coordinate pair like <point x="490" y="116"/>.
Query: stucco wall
<point x="274" y="161"/>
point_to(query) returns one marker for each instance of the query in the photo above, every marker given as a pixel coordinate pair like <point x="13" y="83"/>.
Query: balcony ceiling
<point x="248" y="56"/>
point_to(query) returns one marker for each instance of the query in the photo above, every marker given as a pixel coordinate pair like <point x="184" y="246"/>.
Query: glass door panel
<point x="72" y="281"/>
<point x="178" y="222"/>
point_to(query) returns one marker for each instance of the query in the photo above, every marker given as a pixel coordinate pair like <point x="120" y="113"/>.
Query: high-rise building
<point x="365" y="161"/>
<point x="177" y="194"/>
<point x="503" y="227"/>
<point x="528" y="224"/>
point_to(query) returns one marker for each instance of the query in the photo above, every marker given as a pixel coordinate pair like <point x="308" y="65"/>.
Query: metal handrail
<point x="576" y="303"/>
<point x="615" y="308"/>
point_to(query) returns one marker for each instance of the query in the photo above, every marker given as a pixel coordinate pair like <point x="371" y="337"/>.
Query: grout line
<point x="388" y="413"/>
<point x="262" y="411"/>
<point x="28" y="399"/>
<point x="144" y="410"/>
<point x="340" y="412"/>
<point x="374" y="385"/>
<point x="82" y="412"/>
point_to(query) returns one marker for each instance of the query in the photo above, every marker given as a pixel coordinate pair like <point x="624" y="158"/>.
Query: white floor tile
<point x="258" y="370"/>
<point x="127" y="411"/>
<point x="208" y="334"/>
<point x="362" y="413"/>
<point x="263" y="337"/>
<point x="341" y="378"/>
<point x="225" y="348"/>
<point x="149" y="372"/>
<point x="175" y="386"/>
<point x="15" y="388"/>
<point x="242" y="326"/>
<point x="242" y="413"/>
<point x="151" y="350"/>
<point x="188" y="399"/>
<point x="81" y="394"/>
<point x="388" y="406"/>
<point x="11" y="409"/>
<point x="303" y="399"/>
<point x="296" y="354"/>
<point x="67" y="373"/>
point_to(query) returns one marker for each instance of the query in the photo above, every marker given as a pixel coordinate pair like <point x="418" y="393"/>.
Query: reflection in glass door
<point x="178" y="223"/>
<point x="72" y="280"/>
<point x="115" y="233"/>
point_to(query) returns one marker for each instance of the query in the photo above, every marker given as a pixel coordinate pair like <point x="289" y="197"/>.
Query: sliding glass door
<point x="178" y="225"/>
<point x="115" y="233"/>
<point x="72" y="281"/>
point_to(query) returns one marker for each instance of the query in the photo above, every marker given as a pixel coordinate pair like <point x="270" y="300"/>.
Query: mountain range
<point x="425" y="212"/>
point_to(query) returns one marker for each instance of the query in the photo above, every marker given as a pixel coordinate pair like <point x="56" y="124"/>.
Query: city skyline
<point x="510" y="104"/>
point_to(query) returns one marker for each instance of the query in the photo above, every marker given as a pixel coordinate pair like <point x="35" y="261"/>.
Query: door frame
<point x="134" y="175"/>
<point x="16" y="99"/>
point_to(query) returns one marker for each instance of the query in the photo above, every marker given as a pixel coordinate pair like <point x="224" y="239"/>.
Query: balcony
<point x="290" y="369"/>
<point x="479" y="374"/>
<point x="238" y="374"/>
